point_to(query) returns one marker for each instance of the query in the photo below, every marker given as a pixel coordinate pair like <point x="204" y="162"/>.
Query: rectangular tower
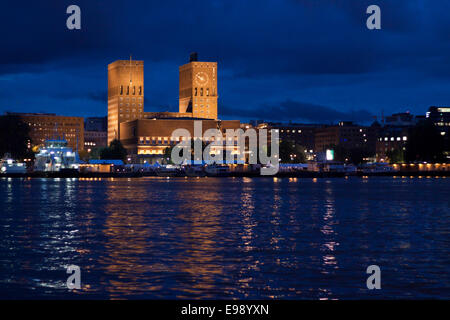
<point x="198" y="89"/>
<point x="125" y="94"/>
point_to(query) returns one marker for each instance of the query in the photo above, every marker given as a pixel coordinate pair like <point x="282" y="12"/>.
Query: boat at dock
<point x="10" y="166"/>
<point x="376" y="168"/>
<point x="169" y="171"/>
<point x="56" y="156"/>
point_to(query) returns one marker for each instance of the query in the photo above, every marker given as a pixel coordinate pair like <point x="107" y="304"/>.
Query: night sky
<point x="280" y="60"/>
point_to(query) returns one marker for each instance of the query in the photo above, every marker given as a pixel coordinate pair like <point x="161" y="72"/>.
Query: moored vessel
<point x="11" y="166"/>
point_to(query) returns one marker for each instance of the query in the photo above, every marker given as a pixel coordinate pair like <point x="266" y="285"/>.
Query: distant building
<point x="96" y="124"/>
<point x="49" y="126"/>
<point x="300" y="134"/>
<point x="440" y="117"/>
<point x="95" y="133"/>
<point x="347" y="135"/>
<point x="256" y="123"/>
<point x="400" y="119"/>
<point x="391" y="138"/>
<point x="394" y="134"/>
<point x="95" y="139"/>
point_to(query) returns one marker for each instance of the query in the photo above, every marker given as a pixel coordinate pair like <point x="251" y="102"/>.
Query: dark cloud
<point x="270" y="42"/>
<point x="251" y="37"/>
<point x="299" y="111"/>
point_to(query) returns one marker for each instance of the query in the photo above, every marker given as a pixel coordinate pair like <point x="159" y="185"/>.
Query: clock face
<point x="201" y="78"/>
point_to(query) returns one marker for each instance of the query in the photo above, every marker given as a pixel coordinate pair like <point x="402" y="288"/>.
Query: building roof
<point x="106" y="161"/>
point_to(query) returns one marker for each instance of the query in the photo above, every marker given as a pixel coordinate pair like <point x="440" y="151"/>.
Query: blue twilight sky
<point x="299" y="60"/>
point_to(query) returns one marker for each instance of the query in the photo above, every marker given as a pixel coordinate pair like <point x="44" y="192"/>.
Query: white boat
<point x="11" y="166"/>
<point x="216" y="170"/>
<point x="377" y="167"/>
<point x="56" y="156"/>
<point x="168" y="171"/>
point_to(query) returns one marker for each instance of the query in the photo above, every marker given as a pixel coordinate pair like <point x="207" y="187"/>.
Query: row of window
<point x="128" y="110"/>
<point x="200" y="92"/>
<point x="132" y="99"/>
<point x="177" y="139"/>
<point x="133" y="104"/>
<point x="405" y="138"/>
<point x="55" y="124"/>
<point x="131" y="116"/>
<point x="289" y="131"/>
<point x="133" y="90"/>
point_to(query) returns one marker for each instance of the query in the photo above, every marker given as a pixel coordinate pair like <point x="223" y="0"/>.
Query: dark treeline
<point x="14" y="137"/>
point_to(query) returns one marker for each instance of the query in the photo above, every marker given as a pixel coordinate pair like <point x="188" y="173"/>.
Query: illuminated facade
<point x="49" y="126"/>
<point x="146" y="135"/>
<point x="125" y="94"/>
<point x="148" y="138"/>
<point x="198" y="88"/>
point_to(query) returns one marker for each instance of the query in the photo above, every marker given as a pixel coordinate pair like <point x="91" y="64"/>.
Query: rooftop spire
<point x="131" y="75"/>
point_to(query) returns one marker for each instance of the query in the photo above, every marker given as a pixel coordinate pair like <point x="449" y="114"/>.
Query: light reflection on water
<point x="225" y="238"/>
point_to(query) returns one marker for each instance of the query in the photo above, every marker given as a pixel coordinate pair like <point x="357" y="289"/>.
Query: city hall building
<point x="146" y="135"/>
<point x="146" y="139"/>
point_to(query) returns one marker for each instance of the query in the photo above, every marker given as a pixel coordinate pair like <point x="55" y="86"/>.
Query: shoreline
<point x="308" y="174"/>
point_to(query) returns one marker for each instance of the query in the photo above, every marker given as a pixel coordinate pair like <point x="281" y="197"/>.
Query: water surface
<point x="246" y="238"/>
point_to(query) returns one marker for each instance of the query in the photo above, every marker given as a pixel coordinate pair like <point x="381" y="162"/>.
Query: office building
<point x="95" y="133"/>
<point x="348" y="136"/>
<point x="49" y="126"/>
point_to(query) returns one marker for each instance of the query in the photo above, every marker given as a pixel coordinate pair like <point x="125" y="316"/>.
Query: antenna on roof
<point x="131" y="74"/>
<point x="193" y="57"/>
